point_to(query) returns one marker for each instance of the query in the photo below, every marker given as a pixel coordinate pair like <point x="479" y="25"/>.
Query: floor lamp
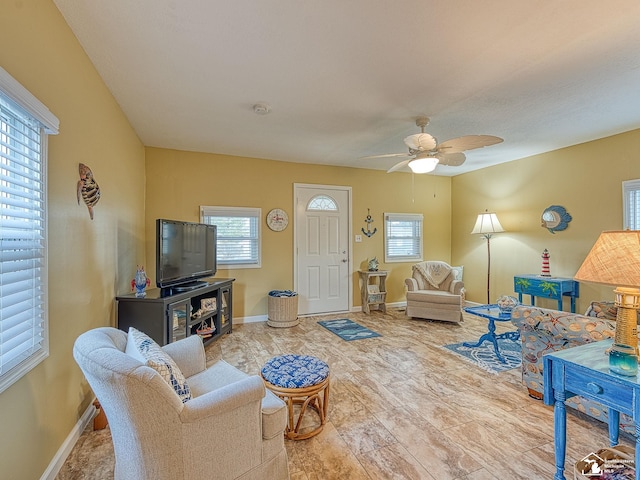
<point x="486" y="225"/>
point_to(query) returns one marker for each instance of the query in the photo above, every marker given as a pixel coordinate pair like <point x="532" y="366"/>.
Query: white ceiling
<point x="347" y="78"/>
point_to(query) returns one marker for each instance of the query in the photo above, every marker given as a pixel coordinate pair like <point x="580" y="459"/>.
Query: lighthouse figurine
<point x="545" y="263"/>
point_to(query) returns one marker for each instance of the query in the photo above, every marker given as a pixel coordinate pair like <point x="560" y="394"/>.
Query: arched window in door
<point x="322" y="202"/>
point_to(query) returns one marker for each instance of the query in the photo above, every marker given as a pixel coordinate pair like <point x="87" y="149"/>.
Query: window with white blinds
<point x="24" y="125"/>
<point x="402" y="237"/>
<point x="631" y="204"/>
<point x="238" y="235"/>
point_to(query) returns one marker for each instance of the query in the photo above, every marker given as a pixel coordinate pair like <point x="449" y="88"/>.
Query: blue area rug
<point x="485" y="357"/>
<point x="348" y="330"/>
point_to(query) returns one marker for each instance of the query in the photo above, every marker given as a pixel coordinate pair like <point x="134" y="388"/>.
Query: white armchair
<point x="232" y="428"/>
<point x="433" y="293"/>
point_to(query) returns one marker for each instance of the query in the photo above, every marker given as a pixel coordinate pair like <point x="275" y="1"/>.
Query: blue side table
<point x="555" y="288"/>
<point x="584" y="371"/>
<point x="493" y="314"/>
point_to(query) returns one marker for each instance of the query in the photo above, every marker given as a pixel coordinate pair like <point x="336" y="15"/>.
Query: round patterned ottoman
<point x="299" y="380"/>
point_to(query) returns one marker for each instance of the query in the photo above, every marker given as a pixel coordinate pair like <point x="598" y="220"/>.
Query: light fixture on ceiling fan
<point x="423" y="163"/>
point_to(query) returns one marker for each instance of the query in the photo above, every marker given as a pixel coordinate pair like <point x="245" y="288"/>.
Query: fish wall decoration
<point x="88" y="188"/>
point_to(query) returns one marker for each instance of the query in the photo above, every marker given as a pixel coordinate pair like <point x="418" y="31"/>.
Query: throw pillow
<point x="457" y="272"/>
<point x="606" y="310"/>
<point x="142" y="347"/>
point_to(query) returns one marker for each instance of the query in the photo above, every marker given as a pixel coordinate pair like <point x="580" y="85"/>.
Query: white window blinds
<point x="238" y="235"/>
<point x="24" y="124"/>
<point x="403" y="237"/>
<point x="631" y="204"/>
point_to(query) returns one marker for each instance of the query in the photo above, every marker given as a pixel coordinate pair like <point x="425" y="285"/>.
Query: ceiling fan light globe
<point x="421" y="142"/>
<point x="423" y="165"/>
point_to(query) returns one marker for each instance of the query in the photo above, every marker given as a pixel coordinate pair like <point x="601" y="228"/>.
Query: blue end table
<point x="493" y="314"/>
<point x="555" y="288"/>
<point x="584" y="371"/>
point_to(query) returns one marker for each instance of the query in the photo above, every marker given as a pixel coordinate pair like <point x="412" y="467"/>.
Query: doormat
<point x="348" y="330"/>
<point x="485" y="357"/>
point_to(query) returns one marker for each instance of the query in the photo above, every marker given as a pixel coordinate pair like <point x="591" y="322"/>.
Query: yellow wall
<point x="89" y="261"/>
<point x="179" y="182"/>
<point x="586" y="179"/>
<point x="92" y="261"/>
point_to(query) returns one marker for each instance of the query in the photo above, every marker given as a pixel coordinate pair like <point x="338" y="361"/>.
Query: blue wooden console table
<point x="584" y="371"/>
<point x="555" y="288"/>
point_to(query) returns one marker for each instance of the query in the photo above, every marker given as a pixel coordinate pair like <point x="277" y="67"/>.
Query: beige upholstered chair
<point x="232" y="428"/>
<point x="433" y="293"/>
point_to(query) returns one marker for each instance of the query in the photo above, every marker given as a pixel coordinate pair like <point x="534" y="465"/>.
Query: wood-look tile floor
<point x="400" y="407"/>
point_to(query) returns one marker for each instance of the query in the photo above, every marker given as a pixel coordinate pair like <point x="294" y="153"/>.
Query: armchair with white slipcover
<point x="433" y="292"/>
<point x="231" y="428"/>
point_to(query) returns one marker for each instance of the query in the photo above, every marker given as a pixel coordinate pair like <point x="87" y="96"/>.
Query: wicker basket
<point x="283" y="311"/>
<point x="376" y="297"/>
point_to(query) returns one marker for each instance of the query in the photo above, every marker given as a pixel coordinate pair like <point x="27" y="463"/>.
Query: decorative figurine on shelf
<point x="545" y="264"/>
<point x="205" y="330"/>
<point x="140" y="282"/>
<point x="373" y="264"/>
<point x="368" y="232"/>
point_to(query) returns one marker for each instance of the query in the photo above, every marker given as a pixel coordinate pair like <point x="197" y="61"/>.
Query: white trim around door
<point x="323" y="267"/>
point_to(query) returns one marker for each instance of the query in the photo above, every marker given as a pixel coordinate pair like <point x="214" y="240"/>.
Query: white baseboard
<point x="397" y="305"/>
<point x="254" y="319"/>
<point x="264" y="318"/>
<point x="65" y="449"/>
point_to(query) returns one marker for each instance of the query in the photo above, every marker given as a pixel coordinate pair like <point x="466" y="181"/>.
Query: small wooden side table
<point x="373" y="293"/>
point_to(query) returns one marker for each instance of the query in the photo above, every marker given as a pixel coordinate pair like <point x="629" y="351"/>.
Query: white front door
<point x="322" y="248"/>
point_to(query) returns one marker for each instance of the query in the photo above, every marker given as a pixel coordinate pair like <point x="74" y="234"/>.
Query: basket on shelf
<point x="376" y="297"/>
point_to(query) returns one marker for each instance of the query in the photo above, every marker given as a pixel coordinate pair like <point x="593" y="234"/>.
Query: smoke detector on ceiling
<point x="262" y="108"/>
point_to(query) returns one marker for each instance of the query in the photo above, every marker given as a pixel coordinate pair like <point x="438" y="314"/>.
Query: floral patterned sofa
<point x="543" y="331"/>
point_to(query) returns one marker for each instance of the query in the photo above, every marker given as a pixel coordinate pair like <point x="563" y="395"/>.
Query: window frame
<point x="631" y="204"/>
<point x="20" y="104"/>
<point x="418" y="220"/>
<point x="254" y="214"/>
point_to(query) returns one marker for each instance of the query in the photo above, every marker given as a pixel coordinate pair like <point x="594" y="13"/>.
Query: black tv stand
<point x="187" y="287"/>
<point x="167" y="315"/>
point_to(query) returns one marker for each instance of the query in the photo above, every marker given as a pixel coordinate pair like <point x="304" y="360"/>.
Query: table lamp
<point x="615" y="260"/>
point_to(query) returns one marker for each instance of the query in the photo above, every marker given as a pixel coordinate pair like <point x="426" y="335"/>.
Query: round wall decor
<point x="555" y="218"/>
<point x="277" y="220"/>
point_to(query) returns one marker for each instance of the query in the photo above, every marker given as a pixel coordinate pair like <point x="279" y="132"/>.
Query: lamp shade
<point x="423" y="165"/>
<point x="613" y="260"/>
<point x="487" y="223"/>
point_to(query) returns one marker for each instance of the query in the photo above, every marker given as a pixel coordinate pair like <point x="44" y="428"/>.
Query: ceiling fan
<point x="425" y="153"/>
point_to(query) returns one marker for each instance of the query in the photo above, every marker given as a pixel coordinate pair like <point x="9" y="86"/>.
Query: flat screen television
<point x="185" y="253"/>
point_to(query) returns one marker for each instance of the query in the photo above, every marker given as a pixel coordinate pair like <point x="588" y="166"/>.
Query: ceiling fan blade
<point x="468" y="142"/>
<point x="420" y="142"/>
<point x="451" y="159"/>
<point x="399" y="165"/>
<point x="387" y="155"/>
